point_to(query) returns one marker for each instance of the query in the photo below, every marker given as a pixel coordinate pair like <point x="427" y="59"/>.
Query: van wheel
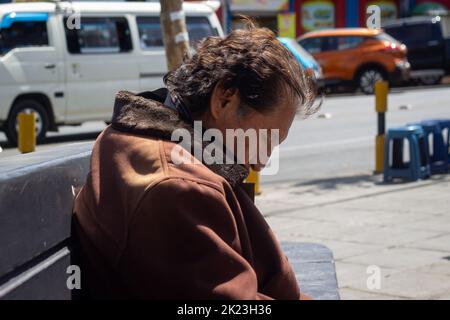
<point x="27" y="105"/>
<point x="367" y="79"/>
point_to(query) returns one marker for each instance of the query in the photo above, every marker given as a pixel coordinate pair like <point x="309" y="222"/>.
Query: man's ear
<point x="223" y="100"/>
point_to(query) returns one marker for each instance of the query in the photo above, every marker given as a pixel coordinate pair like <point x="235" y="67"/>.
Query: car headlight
<point x="403" y="64"/>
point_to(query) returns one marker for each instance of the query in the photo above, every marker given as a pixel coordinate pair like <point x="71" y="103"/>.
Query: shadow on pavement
<point x="363" y="180"/>
<point x="337" y="182"/>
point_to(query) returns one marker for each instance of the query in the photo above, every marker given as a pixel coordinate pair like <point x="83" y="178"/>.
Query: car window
<point x="302" y="56"/>
<point x="436" y="31"/>
<point x="150" y="34"/>
<point x="419" y="32"/>
<point x="415" y="33"/>
<point x="396" y="32"/>
<point x="348" y="42"/>
<point x="329" y="43"/>
<point x="445" y="27"/>
<point x="23" y="34"/>
<point x="297" y="47"/>
<point x="312" y="45"/>
<point x="99" y="35"/>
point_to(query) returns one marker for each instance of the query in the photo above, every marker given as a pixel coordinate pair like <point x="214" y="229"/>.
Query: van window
<point x="23" y="34"/>
<point x="99" y="35"/>
<point x="150" y="34"/>
<point x="199" y="28"/>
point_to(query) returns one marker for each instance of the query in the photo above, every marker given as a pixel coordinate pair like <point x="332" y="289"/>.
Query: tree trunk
<point x="174" y="30"/>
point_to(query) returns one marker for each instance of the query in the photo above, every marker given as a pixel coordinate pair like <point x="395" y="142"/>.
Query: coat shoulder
<point x="181" y="164"/>
<point x="144" y="161"/>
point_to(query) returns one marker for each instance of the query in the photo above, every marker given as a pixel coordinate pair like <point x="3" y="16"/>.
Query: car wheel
<point x="28" y="106"/>
<point x="430" y="80"/>
<point x="368" y="78"/>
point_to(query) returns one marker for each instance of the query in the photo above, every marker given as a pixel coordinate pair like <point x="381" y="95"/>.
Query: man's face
<point x="261" y="132"/>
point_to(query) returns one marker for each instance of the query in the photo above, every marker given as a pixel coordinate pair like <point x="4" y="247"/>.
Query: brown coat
<point x="150" y="229"/>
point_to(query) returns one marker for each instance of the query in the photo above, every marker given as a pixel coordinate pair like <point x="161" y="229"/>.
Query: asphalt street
<point x="342" y="144"/>
<point x="338" y="141"/>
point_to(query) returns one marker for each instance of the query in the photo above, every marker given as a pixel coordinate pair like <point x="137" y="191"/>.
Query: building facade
<point x="295" y="17"/>
<point x="291" y="18"/>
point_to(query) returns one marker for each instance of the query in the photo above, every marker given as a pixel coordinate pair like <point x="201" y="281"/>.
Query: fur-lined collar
<point x="145" y="114"/>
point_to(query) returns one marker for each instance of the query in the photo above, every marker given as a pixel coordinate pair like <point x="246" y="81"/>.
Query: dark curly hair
<point x="250" y="60"/>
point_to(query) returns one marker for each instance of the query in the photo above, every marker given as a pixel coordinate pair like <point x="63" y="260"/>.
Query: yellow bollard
<point x="379" y="153"/>
<point x="253" y="177"/>
<point x="381" y="106"/>
<point x="27" y="132"/>
<point x="381" y="94"/>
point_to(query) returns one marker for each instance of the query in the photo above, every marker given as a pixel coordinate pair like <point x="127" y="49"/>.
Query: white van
<point x="68" y="69"/>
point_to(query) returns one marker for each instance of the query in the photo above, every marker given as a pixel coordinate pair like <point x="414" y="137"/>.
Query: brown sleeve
<point x="183" y="244"/>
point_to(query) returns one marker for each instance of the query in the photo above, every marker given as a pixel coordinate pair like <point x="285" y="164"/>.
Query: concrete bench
<point x="36" y="196"/>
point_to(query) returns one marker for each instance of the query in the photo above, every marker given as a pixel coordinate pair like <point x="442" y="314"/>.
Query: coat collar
<point x="145" y="114"/>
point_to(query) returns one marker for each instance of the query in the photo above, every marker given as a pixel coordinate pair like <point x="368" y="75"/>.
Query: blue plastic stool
<point x="444" y="124"/>
<point x="418" y="167"/>
<point x="439" y="154"/>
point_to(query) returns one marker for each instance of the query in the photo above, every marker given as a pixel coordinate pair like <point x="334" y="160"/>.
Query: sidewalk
<point x="404" y="229"/>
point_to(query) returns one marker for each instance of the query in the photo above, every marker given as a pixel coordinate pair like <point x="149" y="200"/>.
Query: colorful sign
<point x="388" y="9"/>
<point x="286" y="25"/>
<point x="259" y="5"/>
<point x="429" y="8"/>
<point x="317" y="15"/>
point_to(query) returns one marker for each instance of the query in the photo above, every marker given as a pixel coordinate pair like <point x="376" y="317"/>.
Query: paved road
<point x="343" y="145"/>
<point x="319" y="148"/>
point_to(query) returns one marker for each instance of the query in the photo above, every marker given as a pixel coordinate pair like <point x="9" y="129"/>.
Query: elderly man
<point x="156" y="224"/>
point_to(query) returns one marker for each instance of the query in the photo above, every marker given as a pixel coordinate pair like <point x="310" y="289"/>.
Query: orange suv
<point x="358" y="56"/>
